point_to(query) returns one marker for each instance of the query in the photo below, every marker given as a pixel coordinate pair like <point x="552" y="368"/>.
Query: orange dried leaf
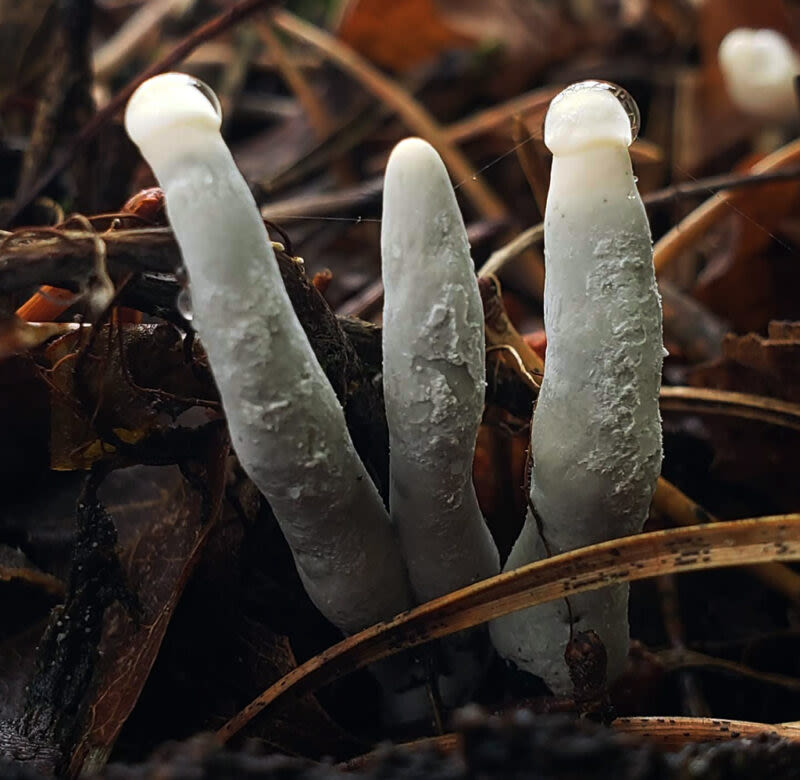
<point x="398" y="35"/>
<point x="741" y="283"/>
<point x="754" y="364"/>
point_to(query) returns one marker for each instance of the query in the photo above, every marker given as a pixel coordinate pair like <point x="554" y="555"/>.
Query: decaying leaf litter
<point x="147" y="592"/>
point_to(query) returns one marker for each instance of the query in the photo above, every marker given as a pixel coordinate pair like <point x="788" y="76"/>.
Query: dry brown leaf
<point x="740" y="283"/>
<point x="518" y="26"/>
<point x="746" y="454"/>
<point x="162" y="524"/>
<point x="104" y="391"/>
<point x="302" y="727"/>
<point x="527" y="36"/>
<point x="17" y="336"/>
<point x="754" y="364"/>
<point x="399" y="36"/>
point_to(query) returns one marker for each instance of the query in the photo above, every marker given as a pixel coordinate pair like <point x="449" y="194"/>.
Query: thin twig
<point x="368" y="299"/>
<point x="691" y="227"/>
<point x="410" y="111"/>
<point x="500" y="331"/>
<point x="713" y="184"/>
<point x="682" y="658"/>
<point x="364" y="302"/>
<point x="532" y="162"/>
<point x="318" y="116"/>
<point x="524" y="241"/>
<point x="676" y="506"/>
<point x="324" y="204"/>
<point x="490" y="119"/>
<point x="702" y="400"/>
<point x="674" y="732"/>
<point x="531" y="103"/>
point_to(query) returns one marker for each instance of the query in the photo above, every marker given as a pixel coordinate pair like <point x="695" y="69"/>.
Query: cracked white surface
<point x="287" y="426"/>
<point x="434" y="375"/>
<point x="596" y="436"/>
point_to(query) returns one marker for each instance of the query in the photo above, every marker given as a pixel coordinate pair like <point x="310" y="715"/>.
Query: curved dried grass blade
<point x="637" y="557"/>
<point x="702" y="400"/>
<point x="673" y="733"/>
<point x="665" y="732"/>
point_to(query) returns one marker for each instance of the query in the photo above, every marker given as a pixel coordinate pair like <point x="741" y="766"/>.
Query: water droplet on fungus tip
<point x="207" y="93"/>
<point x="183" y="302"/>
<point x="621" y="94"/>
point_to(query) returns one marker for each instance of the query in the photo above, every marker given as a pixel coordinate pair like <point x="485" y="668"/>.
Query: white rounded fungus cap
<point x="168" y="101"/>
<point x="414" y="156"/>
<point x="590" y="114"/>
<point x="759" y="67"/>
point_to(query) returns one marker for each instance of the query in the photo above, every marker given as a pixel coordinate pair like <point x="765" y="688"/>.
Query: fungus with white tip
<point x="433" y="375"/>
<point x="596" y="435"/>
<point x="760" y="68"/>
<point x="434" y="384"/>
<point x="286" y="424"/>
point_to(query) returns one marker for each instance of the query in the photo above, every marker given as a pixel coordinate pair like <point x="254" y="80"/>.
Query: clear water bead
<point x="184" y="300"/>
<point x="620" y="93"/>
<point x="207" y="93"/>
<point x="184" y="304"/>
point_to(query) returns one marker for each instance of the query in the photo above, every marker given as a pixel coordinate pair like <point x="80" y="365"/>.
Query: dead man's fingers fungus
<point x="596" y="434"/>
<point x="287" y="426"/>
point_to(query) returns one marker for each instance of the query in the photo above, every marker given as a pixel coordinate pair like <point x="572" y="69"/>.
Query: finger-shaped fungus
<point x="596" y="436"/>
<point x="286" y="424"/>
<point x="433" y="375"/>
<point x="759" y="68"/>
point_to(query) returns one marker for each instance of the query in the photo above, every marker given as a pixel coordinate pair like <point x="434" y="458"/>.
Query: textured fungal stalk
<point x="433" y="375"/>
<point x="286" y="424"/>
<point x="759" y="68"/>
<point x="596" y="436"/>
